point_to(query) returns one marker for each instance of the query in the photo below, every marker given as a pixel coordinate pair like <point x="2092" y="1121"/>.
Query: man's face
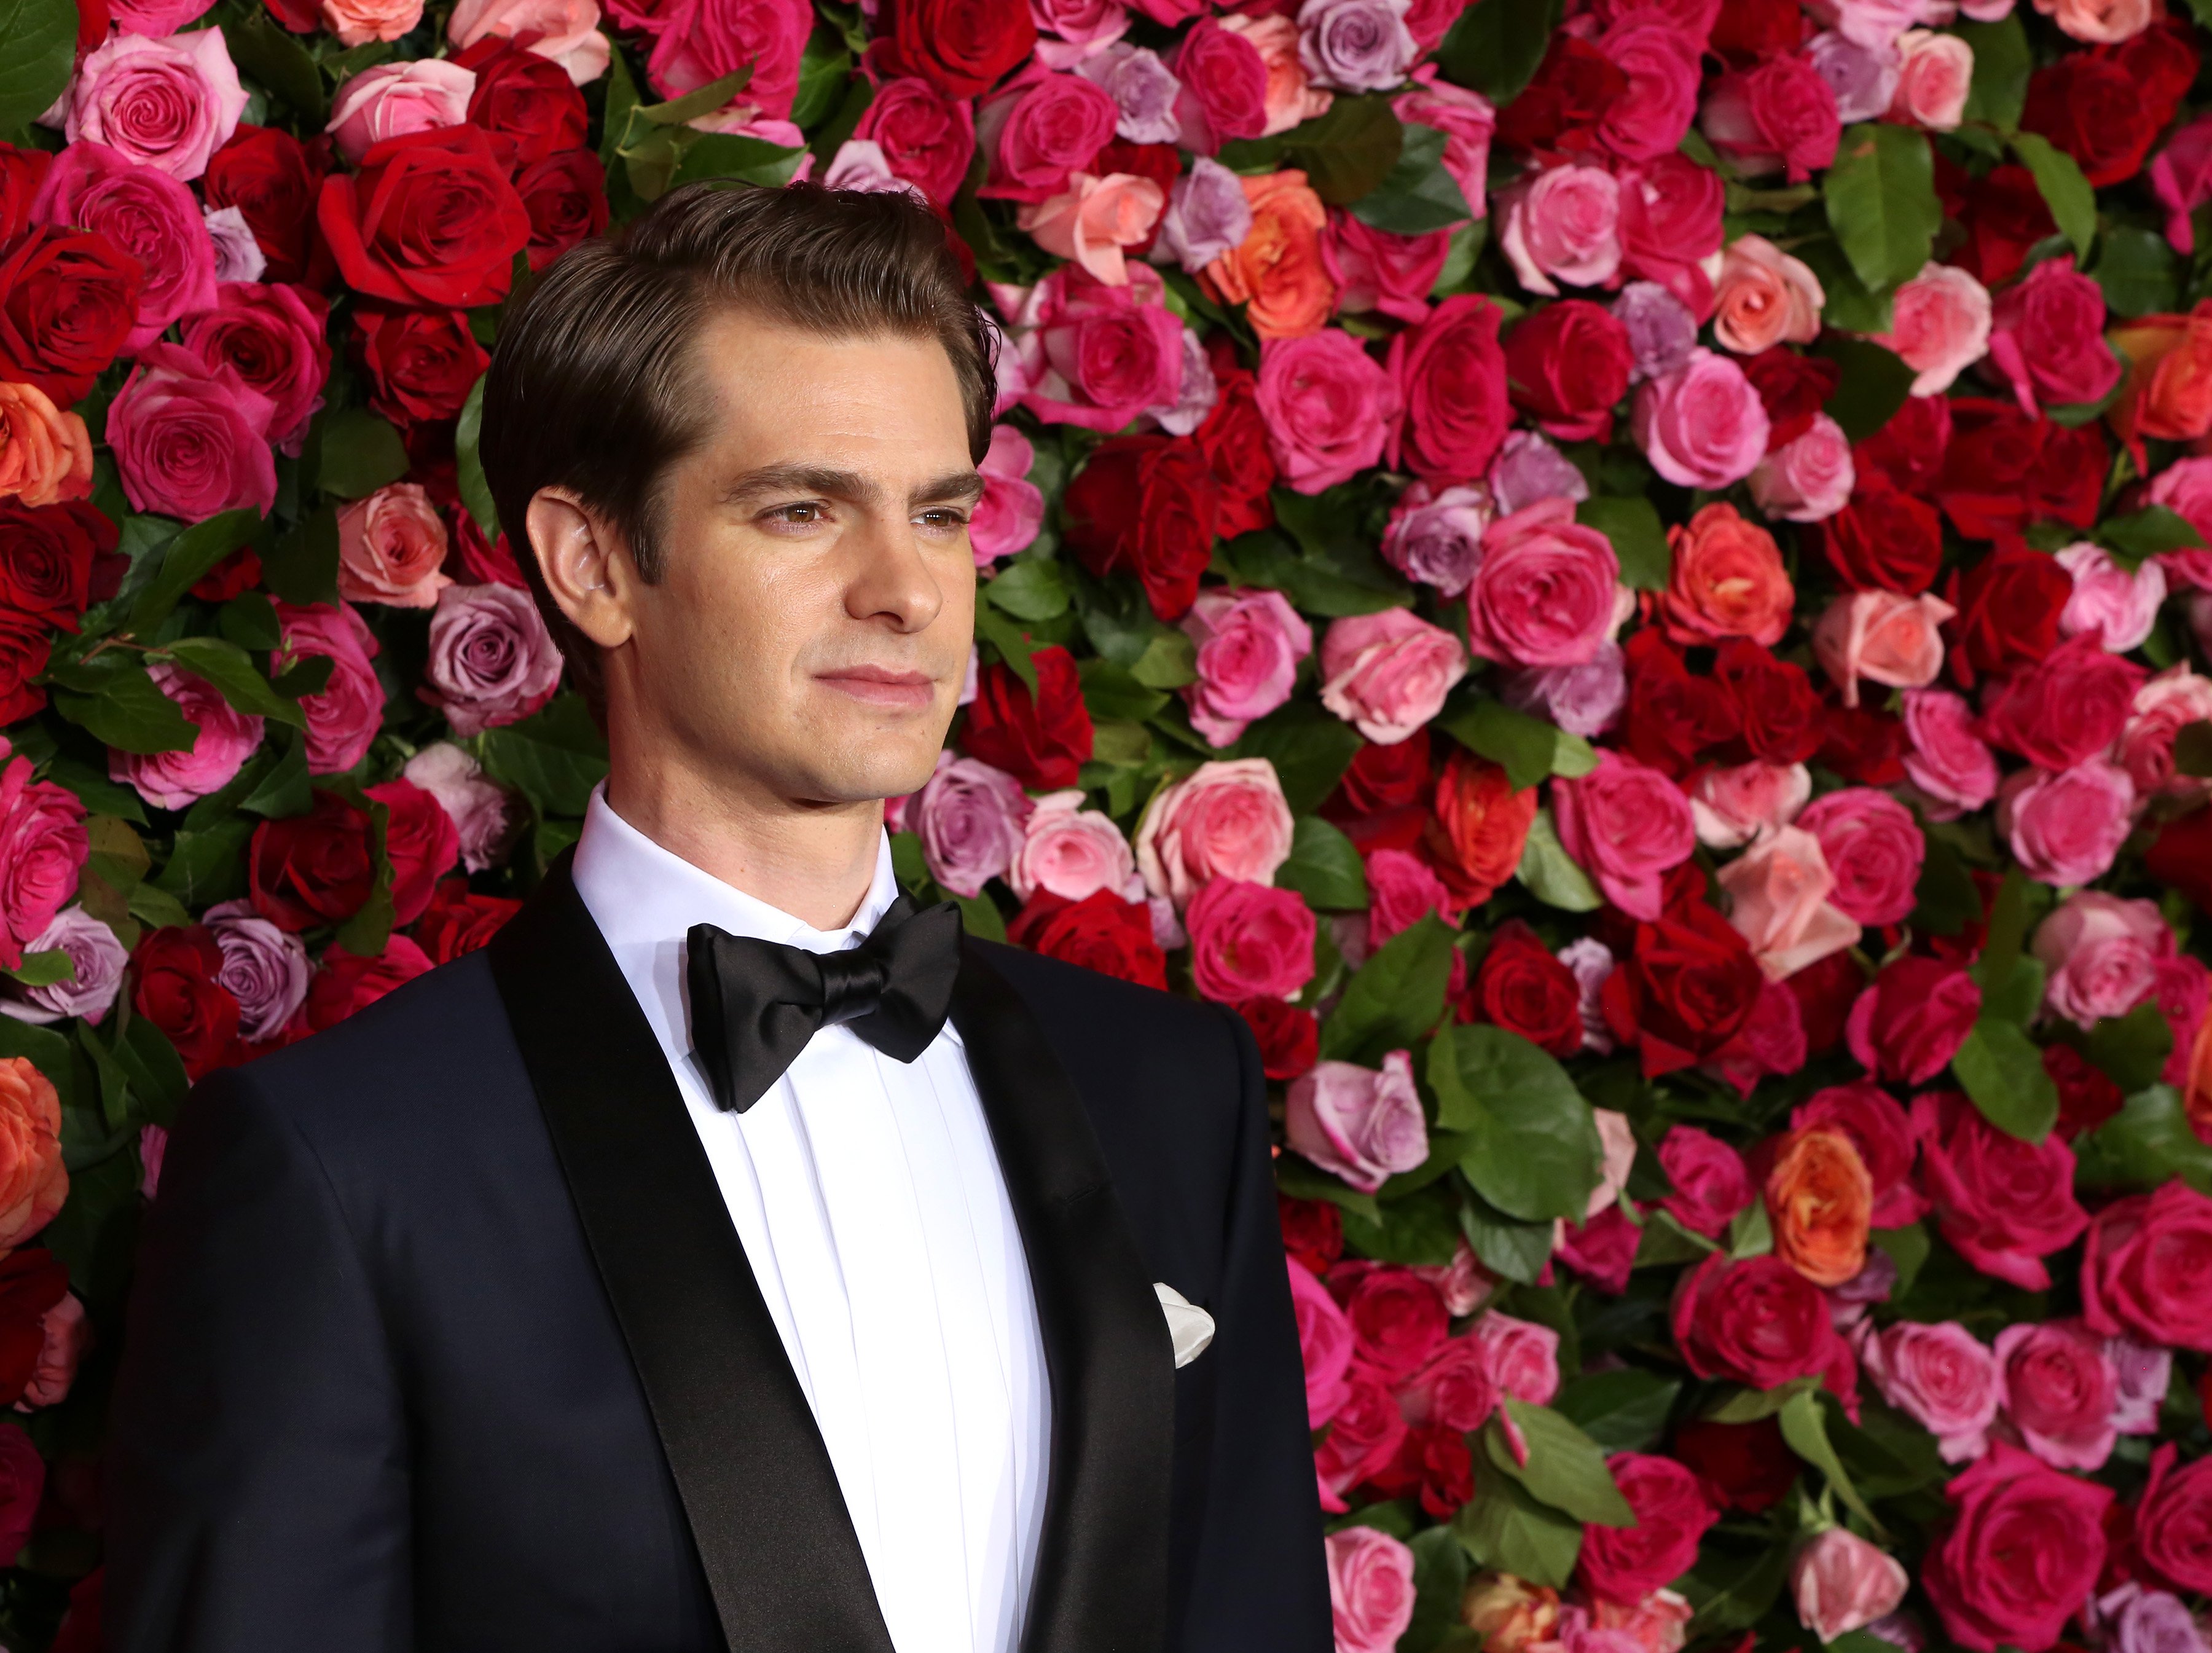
<point x="810" y="632"/>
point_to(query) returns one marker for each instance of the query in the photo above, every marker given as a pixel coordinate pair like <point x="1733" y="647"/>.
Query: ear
<point x="586" y="566"/>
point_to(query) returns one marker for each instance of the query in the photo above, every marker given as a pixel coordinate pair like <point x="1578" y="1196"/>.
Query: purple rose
<point x="1862" y="77"/>
<point x="492" y="661"/>
<point x="1528" y="468"/>
<point x="2141" y="1373"/>
<point x="2134" y="1620"/>
<point x="1361" y="1124"/>
<point x="1143" y="89"/>
<point x="969" y="817"/>
<point x="1207" y="214"/>
<point x="1662" y="330"/>
<point x="238" y="255"/>
<point x="99" y="959"/>
<point x="1355" y="46"/>
<point x="478" y="808"/>
<point x="1591" y="962"/>
<point x="264" y="968"/>
<point x="1435" y="536"/>
<point x="1584" y="700"/>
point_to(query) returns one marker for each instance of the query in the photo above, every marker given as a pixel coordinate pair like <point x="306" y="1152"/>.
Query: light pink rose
<point x="1936" y="72"/>
<point x="1523" y="1357"/>
<point x="168" y="104"/>
<point x="1387" y="674"/>
<point x="1328" y="406"/>
<point x="2144" y="1375"/>
<point x="1874" y="848"/>
<point x="1627" y="826"/>
<point x="1949" y="763"/>
<point x="566" y="31"/>
<point x="2101" y="954"/>
<point x="1225" y="820"/>
<point x="2163" y="706"/>
<point x="1249" y="643"/>
<point x="1882" y="636"/>
<point x="67" y="1335"/>
<point x="391" y="547"/>
<point x="2059" y="1391"/>
<point x="1779" y="900"/>
<point x="492" y="661"/>
<point x="1006" y="518"/>
<point x="1763" y="297"/>
<point x="1545" y="592"/>
<point x="395" y="99"/>
<point x="1591" y="961"/>
<point x="860" y="164"/>
<point x="1362" y="1124"/>
<point x="1940" y="324"/>
<point x="1073" y="851"/>
<point x="2066" y="828"/>
<point x="1435" y="536"/>
<point x="2120" y="607"/>
<point x="226" y="738"/>
<point x="98" y="958"/>
<point x="1841" y="1583"/>
<point x="146" y="214"/>
<point x="1248" y="941"/>
<point x="1094" y="219"/>
<point x="1370" y="1590"/>
<point x="1941" y="1376"/>
<point x="191" y="440"/>
<point x="1808" y="479"/>
<point x="2103" y="23"/>
<point x="1326" y="1341"/>
<point x="2186" y="488"/>
<point x="344" y="715"/>
<point x="1731" y="806"/>
<point x="1617" y="1145"/>
<point x="1562" y="225"/>
<point x="1084" y="27"/>
<point x="1463" y="1283"/>
<point x="1402" y="889"/>
<point x="1702" y="425"/>
<point x="969" y="817"/>
<point x="482" y="818"/>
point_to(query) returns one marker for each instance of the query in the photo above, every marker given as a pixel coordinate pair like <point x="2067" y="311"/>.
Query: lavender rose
<point x="1863" y="78"/>
<point x="477" y="808"/>
<point x="264" y="968"/>
<point x="1207" y="214"/>
<point x="98" y="958"/>
<point x="1434" y="535"/>
<point x="238" y="255"/>
<point x="492" y="661"/>
<point x="969" y="818"/>
<point x="1528" y="468"/>
<point x="1361" y="1124"/>
<point x="1143" y="89"/>
<point x="1663" y="331"/>
<point x="1584" y="700"/>
<point x="1355" y="46"/>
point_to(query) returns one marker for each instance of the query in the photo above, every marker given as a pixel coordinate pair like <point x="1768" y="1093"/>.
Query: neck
<point x="814" y="861"/>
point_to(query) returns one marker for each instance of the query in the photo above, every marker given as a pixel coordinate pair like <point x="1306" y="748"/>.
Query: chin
<point x="869" y="769"/>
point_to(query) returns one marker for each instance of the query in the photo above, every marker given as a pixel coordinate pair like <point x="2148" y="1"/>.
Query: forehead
<point x="790" y="392"/>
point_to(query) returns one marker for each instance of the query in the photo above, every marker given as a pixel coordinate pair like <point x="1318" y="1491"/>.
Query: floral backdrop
<point x="1625" y="578"/>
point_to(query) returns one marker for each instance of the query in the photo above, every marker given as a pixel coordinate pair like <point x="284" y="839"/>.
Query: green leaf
<point x="250" y="621"/>
<point x="1497" y="45"/>
<point x="2001" y="1069"/>
<point x="2139" y="272"/>
<point x="2002" y="63"/>
<point x="1908" y="1247"/>
<point x="1550" y="872"/>
<point x="186" y="561"/>
<point x="360" y="454"/>
<point x="2131" y="1050"/>
<point x="468" y="463"/>
<point x="553" y="757"/>
<point x="2192" y="750"/>
<point x="2145" y="532"/>
<point x="1420" y="197"/>
<point x="233" y="674"/>
<point x="1310" y="749"/>
<point x="1948" y="900"/>
<point x="301" y="565"/>
<point x="208" y="866"/>
<point x="1506" y="1528"/>
<point x="1748" y="1406"/>
<point x="1420" y="1229"/>
<point x="1565" y="1468"/>
<point x="1110" y="692"/>
<point x="47" y="1050"/>
<point x="746" y="160"/>
<point x="1804" y="1426"/>
<point x="129" y="713"/>
<point x="1302" y="1180"/>
<point x="1734" y="1590"/>
<point x="824" y="69"/>
<point x="1639" y="537"/>
<point x="1852" y="306"/>
<point x="1751" y="1232"/>
<point x="979" y="916"/>
<point x="1523" y="747"/>
<point x="2146" y="1143"/>
<point x="43" y="970"/>
<point x="1170" y="660"/>
<point x="1324" y="867"/>
<point x="284" y="791"/>
<point x="1625" y="1410"/>
<point x="2013" y="992"/>
<point x="156" y="1072"/>
<point x="622" y="100"/>
<point x="704" y="101"/>
<point x="2073" y="204"/>
<point x="1533" y="1145"/>
<point x="1347" y="153"/>
<point x="1031" y="589"/>
<point x="1666" y="1243"/>
<point x="1439" y="1585"/>
<point x="1508" y="1248"/>
<point x="1881" y="202"/>
<point x="1395" y="997"/>
<point x="366" y="932"/>
<point x="37" y="49"/>
<point x="1875" y="383"/>
<point x="1011" y="643"/>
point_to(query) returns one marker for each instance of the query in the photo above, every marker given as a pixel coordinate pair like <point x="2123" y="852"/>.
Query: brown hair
<point x="592" y="386"/>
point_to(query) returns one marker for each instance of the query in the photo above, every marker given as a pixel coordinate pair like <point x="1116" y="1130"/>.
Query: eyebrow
<point x="953" y="488"/>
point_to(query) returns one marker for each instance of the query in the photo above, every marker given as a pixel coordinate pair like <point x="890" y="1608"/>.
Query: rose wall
<point x="1627" y="579"/>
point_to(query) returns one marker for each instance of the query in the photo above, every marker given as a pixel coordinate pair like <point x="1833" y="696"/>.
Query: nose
<point x="891" y="580"/>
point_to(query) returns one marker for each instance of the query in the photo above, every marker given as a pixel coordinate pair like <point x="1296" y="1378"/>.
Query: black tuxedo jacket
<point x="442" y="1338"/>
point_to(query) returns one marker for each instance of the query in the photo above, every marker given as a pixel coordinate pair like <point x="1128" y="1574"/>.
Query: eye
<point x="801" y="513"/>
<point x="944" y="519"/>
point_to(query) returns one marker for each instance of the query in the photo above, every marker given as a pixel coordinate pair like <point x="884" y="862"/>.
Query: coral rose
<point x="1728" y="581"/>
<point x="1276" y="272"/>
<point x="34" y="1181"/>
<point x="46" y="452"/>
<point x="1764" y="297"/>
<point x="1819" y="1197"/>
<point x="391" y="546"/>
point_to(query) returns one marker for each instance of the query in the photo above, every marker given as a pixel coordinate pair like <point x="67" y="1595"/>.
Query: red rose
<point x="1382" y="778"/>
<point x="1824" y="992"/>
<point x="1365" y="1433"/>
<point x="1447" y="1470"/>
<point x="524" y="97"/>
<point x="1564" y="106"/>
<point x="430" y="219"/>
<point x="22" y="172"/>
<point x="1784" y="718"/>
<point x="566" y="197"/>
<point x="181" y="992"/>
<point x="926" y="138"/>
<point x="1602" y="1250"/>
<point x="2106" y="106"/>
<point x="1224" y="87"/>
<point x="1908" y="1025"/>
<point x="2173" y="1521"/>
<point x="1521" y="988"/>
<point x="1747" y="30"/>
<point x="1567" y="366"/>
<point x="1792" y="388"/>
<point x="1884" y="540"/>
<point x="421" y="842"/>
<point x="964" y="46"/>
<point x="2181" y="856"/>
<point x="2004" y="216"/>
<point x="347" y="983"/>
<point x="314" y="868"/>
<point x="1144" y="505"/>
<point x="276" y="339"/>
<point x="2147" y="1271"/>
<point x="273" y="179"/>
<point x="1907" y="453"/>
<point x="2004" y="1204"/>
<point x="239" y="572"/>
<point x="68" y="300"/>
<point x="1450" y="372"/>
<point x="1747" y="1466"/>
<point x="1234" y="440"/>
<point x="1686" y="989"/>
<point x="1289" y="1038"/>
<point x="1313" y="1231"/>
<point x="2021" y="1555"/>
<point x="1778" y="116"/>
<point x="421" y="364"/>
<point x="1042" y="741"/>
<point x="26" y="643"/>
<point x="1758" y="1321"/>
<point x="2002" y="471"/>
<point x="2069" y="480"/>
<point x="32" y="1282"/>
<point x="1101" y="933"/>
<point x="2008" y="606"/>
<point x="1623" y="1565"/>
<point x="2087" y="1098"/>
<point x="457" y="922"/>
<point x="1397" y="1316"/>
<point x="47" y="557"/>
<point x="1672" y="718"/>
<point x="2065" y="708"/>
<point x="1862" y="744"/>
<point x="484" y="563"/>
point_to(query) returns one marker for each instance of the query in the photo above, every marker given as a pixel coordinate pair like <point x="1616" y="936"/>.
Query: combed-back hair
<point x="594" y="386"/>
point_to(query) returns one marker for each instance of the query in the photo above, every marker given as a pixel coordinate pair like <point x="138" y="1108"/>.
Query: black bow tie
<point x="755" y="1003"/>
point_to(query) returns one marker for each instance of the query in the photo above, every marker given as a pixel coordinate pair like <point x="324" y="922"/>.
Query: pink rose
<point x="1084" y="27"/>
<point x="1434" y="536"/>
<point x="2101" y="954"/>
<point x="2103" y="23"/>
<point x="1229" y="81"/>
<point x="146" y="214"/>
<point x="1729" y="807"/>
<point x="2118" y="606"/>
<point x="1841" y="1583"/>
<point x="43" y="845"/>
<point x="1222" y="821"/>
<point x="1037" y="128"/>
<point x="705" y="39"/>
<point x="1780" y="900"/>
<point x="566" y="31"/>
<point x="2146" y="1268"/>
<point x="192" y="441"/>
<point x="344" y="715"/>
<point x="1808" y="479"/>
<point x="492" y="661"/>
<point x="1908" y="1025"/>
<point x="1670" y="226"/>
<point x="1763" y="298"/>
<point x="1703" y="425"/>
<point x="394" y="98"/>
<point x="1710" y="1184"/>
<point x="2180" y="177"/>
<point x="1006" y="518"/>
<point x="1949" y="763"/>
<point x="969" y="818"/>
<point x="926" y="138"/>
<point x="1661" y="61"/>
<point x="1402" y="890"/>
<point x="1562" y="225"/>
<point x="2004" y="1204"/>
<point x="1936" y="72"/>
<point x="1094" y="219"/>
<point x="1249" y="644"/>
<point x="1522" y="1358"/>
<point x="1328" y="406"/>
<point x="1545" y="591"/>
<point x="1874" y="848"/>
<point x="168" y="104"/>
<point x="483" y="819"/>
<point x="226" y="738"/>
<point x="1463" y="1283"/>
<point x="1375" y="270"/>
<point x="156" y="19"/>
<point x="2047" y="338"/>
<point x="1627" y="826"/>
<point x="1882" y="636"/>
<point x="1357" y="1123"/>
<point x="1387" y="674"/>
<point x="2060" y="1390"/>
<point x="1071" y="851"/>
<point x="1249" y="941"/>
<point x="1467" y="120"/>
<point x="1370" y="1590"/>
<point x="1940" y="324"/>
<point x="2066" y="828"/>
<point x="2186" y="488"/>
<point x="273" y="336"/>
<point x="1941" y="1376"/>
<point x="1094" y="355"/>
<point x="391" y="547"/>
<point x="1453" y="1390"/>
<point x="2165" y="705"/>
<point x="1325" y="1343"/>
<point x="1779" y="116"/>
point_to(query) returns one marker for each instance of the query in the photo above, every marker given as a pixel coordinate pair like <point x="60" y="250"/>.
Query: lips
<point x="882" y="686"/>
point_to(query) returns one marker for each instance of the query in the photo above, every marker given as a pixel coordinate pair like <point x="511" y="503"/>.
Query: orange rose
<point x="1276" y="271"/>
<point x="1509" y="1612"/>
<point x="2169" y="392"/>
<point x="1480" y="827"/>
<point x="1819" y="1199"/>
<point x="1728" y="582"/>
<point x="1764" y="297"/>
<point x="2197" y="1088"/>
<point x="34" y="1181"/>
<point x="45" y="452"/>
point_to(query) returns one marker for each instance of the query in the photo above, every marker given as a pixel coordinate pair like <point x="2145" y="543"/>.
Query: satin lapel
<point x="1101" y="1569"/>
<point x="765" y="1509"/>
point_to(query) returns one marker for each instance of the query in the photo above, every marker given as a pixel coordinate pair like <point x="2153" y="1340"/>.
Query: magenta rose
<point x="168" y="104"/>
<point x="225" y="738"/>
<point x="926" y="138"/>
<point x="1370" y="1590"/>
<point x="1040" y="127"/>
<point x="1375" y="270"/>
<point x="1434" y="535"/>
<point x="1908" y="1025"/>
<point x="2173" y="1521"/>
<point x="1100" y="355"/>
<point x="1941" y="1375"/>
<point x="2067" y="828"/>
<point x="1397" y="1316"/>
<point x="1006" y="518"/>
<point x="191" y="439"/>
<point x="1455" y="1389"/>
<point x="1328" y="406"/>
<point x="492" y="661"/>
<point x="1325" y="1343"/>
<point x="1224" y="87"/>
<point x="1522" y="1357"/>
<point x="43" y="845"/>
<point x="345" y="714"/>
<point x="145" y="213"/>
<point x="2061" y="1389"/>
<point x="2047" y="338"/>
<point x="2147" y="1271"/>
<point x="1670" y="226"/>
<point x="1703" y="425"/>
<point x="969" y="817"/>
<point x="705" y="39"/>
<point x="1249" y="644"/>
<point x="1623" y="1565"/>
<point x="1662" y="63"/>
<point x="1249" y="941"/>
<point x="1402" y="890"/>
<point x="1544" y="592"/>
<point x="2004" y="1204"/>
<point x="2021" y="1555"/>
<point x="1226" y="820"/>
<point x="273" y="336"/>
<point x="1627" y="825"/>
<point x="2101" y="954"/>
<point x="1710" y="1184"/>
<point x="1778" y="117"/>
<point x="1387" y="674"/>
<point x="1949" y="762"/>
<point x="1874" y="849"/>
<point x="1357" y="1123"/>
<point x="1450" y="375"/>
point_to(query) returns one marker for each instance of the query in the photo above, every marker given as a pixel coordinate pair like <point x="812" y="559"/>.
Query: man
<point x="731" y="1254"/>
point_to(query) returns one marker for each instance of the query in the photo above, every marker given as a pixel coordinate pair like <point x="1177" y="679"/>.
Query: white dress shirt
<point x="873" y="1211"/>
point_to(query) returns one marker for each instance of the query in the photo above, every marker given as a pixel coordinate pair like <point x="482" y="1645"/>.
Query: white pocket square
<point x="1190" y="1325"/>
